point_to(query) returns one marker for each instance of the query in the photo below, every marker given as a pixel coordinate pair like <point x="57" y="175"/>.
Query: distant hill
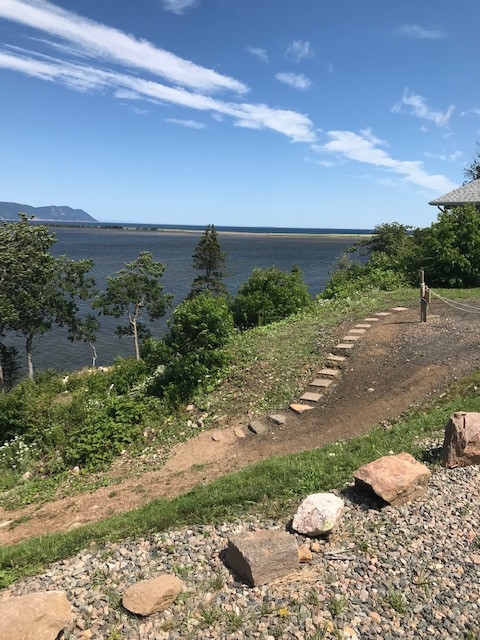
<point x="10" y="210"/>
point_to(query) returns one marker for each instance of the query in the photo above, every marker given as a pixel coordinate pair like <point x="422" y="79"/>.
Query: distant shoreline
<point x="282" y="234"/>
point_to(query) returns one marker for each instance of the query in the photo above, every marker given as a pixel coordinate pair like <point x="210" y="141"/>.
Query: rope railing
<point x="460" y="306"/>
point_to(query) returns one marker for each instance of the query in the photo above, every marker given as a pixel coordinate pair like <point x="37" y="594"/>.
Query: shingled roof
<point x="468" y="194"/>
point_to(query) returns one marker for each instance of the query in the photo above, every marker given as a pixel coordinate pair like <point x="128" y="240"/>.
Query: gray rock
<point x="262" y="556"/>
<point x="278" y="418"/>
<point x="258" y="427"/>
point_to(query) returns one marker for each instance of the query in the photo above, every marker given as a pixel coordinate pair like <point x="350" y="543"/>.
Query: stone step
<point x="357" y="330"/>
<point x="334" y="373"/>
<point x="300" y="408"/>
<point x="258" y="427"/>
<point x="308" y="396"/>
<point x="321" y="382"/>
<point x="370" y="319"/>
<point x="363" y="325"/>
<point x="333" y="358"/>
<point x="344" y="345"/>
<point x="400" y="309"/>
<point x="350" y="338"/>
<point x="278" y="418"/>
<point x="383" y="314"/>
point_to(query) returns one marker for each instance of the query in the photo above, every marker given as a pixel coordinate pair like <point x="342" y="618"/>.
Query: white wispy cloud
<point x="475" y="111"/>
<point x="299" y="49"/>
<point x="445" y="157"/>
<point x="178" y="6"/>
<point x="330" y="67"/>
<point x="366" y="148"/>
<point x="99" y="42"/>
<point x="190" y="124"/>
<point x="416" y="105"/>
<point x="297" y="80"/>
<point x="294" y="125"/>
<point x="416" y="31"/>
<point x="140" y="112"/>
<point x="261" y="54"/>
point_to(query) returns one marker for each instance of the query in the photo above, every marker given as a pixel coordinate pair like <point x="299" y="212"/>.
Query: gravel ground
<point x="399" y="572"/>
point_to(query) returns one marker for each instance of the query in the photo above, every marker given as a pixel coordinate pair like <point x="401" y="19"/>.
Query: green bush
<point x="269" y="295"/>
<point x="126" y="374"/>
<point x="350" y="277"/>
<point x="199" y="332"/>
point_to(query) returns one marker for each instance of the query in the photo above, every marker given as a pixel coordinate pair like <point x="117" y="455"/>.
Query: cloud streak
<point x="190" y="124"/>
<point x="178" y="6"/>
<point x="99" y="41"/>
<point x="296" y="80"/>
<point x="296" y="126"/>
<point x="416" y="105"/>
<point x="416" y="31"/>
<point x="299" y="50"/>
<point x="366" y="148"/>
<point x="261" y="54"/>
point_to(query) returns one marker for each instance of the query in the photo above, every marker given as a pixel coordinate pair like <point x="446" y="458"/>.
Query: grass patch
<point x="272" y="485"/>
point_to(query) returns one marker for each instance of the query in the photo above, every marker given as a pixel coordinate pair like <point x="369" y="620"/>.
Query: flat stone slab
<point x="278" y="418"/>
<point x="400" y="309"/>
<point x="333" y="358"/>
<point x="358" y="330"/>
<point x="371" y="319"/>
<point x="363" y="325"/>
<point x="321" y="382"/>
<point x="344" y="345"/>
<point x="300" y="408"/>
<point x="239" y="432"/>
<point x="334" y="373"/>
<point x="258" y="427"/>
<point x="383" y="314"/>
<point x="40" y="615"/>
<point x="259" y="557"/>
<point x="350" y="338"/>
<point x="311" y="397"/>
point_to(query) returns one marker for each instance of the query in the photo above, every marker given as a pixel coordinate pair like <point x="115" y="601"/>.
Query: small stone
<point x="190" y="407"/>
<point x="315" y="546"/>
<point x="150" y="596"/>
<point x="396" y="479"/>
<point x="258" y="427"/>
<point x="34" y="616"/>
<point x="27" y="475"/>
<point x="311" y="397"/>
<point x="76" y="471"/>
<point x="300" y="408"/>
<point x="318" y="514"/>
<point x="321" y="382"/>
<point x="261" y="556"/>
<point x="330" y="372"/>
<point x="240" y="433"/>
<point x="216" y="436"/>
<point x="376" y="617"/>
<point x="304" y="554"/>
<point x="278" y="418"/>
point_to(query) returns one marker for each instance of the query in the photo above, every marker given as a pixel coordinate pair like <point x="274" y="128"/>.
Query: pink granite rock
<point x="318" y="514"/>
<point x="461" y="446"/>
<point x="149" y="596"/>
<point x="396" y="479"/>
<point x="34" y="616"/>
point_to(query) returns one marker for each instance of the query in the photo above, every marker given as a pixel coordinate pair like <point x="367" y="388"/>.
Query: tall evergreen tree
<point x="209" y="259"/>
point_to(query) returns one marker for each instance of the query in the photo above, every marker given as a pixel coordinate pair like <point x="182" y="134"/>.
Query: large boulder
<point x="318" y="514"/>
<point x="34" y="616"/>
<point x="259" y="557"/>
<point x="396" y="479"/>
<point x="461" y="446"/>
<point x="149" y="596"/>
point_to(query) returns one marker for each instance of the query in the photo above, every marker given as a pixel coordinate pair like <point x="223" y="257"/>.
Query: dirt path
<point x="396" y="364"/>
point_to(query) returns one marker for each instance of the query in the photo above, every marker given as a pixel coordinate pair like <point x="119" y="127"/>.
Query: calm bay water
<point x="111" y="248"/>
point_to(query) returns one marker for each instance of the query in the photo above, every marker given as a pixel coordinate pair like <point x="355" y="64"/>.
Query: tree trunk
<point x="135" y="339"/>
<point x="29" y="349"/>
<point x="2" y="377"/>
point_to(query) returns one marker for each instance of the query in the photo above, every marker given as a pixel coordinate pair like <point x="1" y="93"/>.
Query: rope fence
<point x="460" y="306"/>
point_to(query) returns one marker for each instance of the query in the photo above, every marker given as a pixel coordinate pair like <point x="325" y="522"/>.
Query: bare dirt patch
<point x="397" y="364"/>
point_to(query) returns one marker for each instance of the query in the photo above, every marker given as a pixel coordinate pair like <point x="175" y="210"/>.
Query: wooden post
<point x="423" y="297"/>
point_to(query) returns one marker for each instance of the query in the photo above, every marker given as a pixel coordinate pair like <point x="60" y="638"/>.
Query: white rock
<point x="318" y="514"/>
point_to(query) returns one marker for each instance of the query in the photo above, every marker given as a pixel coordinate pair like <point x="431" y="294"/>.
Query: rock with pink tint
<point x="461" y="446"/>
<point x="318" y="514"/>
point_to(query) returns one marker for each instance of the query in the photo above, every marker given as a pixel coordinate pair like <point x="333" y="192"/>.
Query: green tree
<point x="472" y="169"/>
<point x="269" y="295"/>
<point x="449" y="250"/>
<point x="209" y="259"/>
<point x="135" y="291"/>
<point x="37" y="290"/>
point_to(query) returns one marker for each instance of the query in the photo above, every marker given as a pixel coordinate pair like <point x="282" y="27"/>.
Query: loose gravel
<point x="395" y="572"/>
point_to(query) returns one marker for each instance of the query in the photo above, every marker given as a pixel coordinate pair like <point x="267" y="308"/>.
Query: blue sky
<point x="304" y="113"/>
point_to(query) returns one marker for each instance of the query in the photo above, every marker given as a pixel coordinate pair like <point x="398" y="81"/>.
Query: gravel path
<point x="403" y="572"/>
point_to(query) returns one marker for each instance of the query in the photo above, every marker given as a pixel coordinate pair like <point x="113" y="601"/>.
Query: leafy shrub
<point x="199" y="332"/>
<point x="127" y="373"/>
<point x="100" y="430"/>
<point x="269" y="295"/>
<point x="351" y="277"/>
